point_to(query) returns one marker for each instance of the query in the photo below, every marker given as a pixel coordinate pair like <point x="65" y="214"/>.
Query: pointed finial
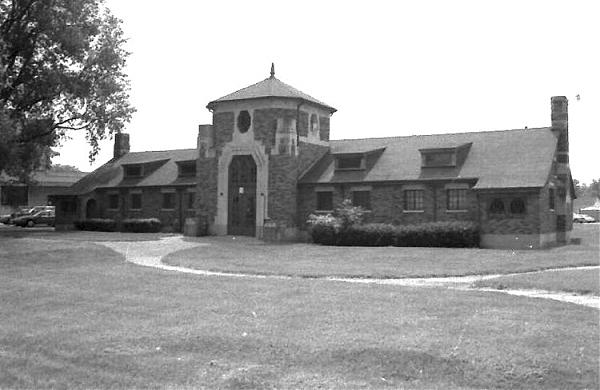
<point x="272" y="70"/>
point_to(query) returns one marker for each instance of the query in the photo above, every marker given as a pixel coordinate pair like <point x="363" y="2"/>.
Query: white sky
<point x="391" y="68"/>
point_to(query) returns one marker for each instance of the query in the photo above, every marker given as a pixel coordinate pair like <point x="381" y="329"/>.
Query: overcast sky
<point x="391" y="68"/>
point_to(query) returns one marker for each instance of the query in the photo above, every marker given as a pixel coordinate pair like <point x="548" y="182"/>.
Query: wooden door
<point x="241" y="217"/>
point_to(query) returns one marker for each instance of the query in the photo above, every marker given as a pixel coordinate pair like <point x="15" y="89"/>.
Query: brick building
<point x="266" y="162"/>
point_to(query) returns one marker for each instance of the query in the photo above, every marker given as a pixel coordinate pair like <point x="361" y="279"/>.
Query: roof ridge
<point x="164" y="150"/>
<point x="434" y="134"/>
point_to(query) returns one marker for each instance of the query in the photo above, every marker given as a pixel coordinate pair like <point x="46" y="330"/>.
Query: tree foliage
<point x="61" y="69"/>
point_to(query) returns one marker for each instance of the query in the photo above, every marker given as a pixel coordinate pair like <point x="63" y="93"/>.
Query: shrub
<point x="372" y="234"/>
<point x="438" y="234"/>
<point x="323" y="228"/>
<point x="97" y="224"/>
<point x="141" y="225"/>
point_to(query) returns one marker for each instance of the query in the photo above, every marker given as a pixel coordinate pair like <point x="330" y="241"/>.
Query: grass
<point x="75" y="315"/>
<point x="252" y="256"/>
<point x="574" y="281"/>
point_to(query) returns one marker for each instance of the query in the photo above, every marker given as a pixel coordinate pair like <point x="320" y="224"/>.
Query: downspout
<point x="298" y="123"/>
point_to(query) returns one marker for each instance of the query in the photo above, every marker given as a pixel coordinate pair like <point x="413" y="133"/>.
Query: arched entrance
<point x="241" y="216"/>
<point x="91" y="210"/>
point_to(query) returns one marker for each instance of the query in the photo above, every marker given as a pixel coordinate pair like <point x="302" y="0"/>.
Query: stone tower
<point x="263" y="137"/>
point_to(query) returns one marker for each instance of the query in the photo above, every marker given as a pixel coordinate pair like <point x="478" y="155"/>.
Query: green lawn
<point x="252" y="256"/>
<point x="576" y="281"/>
<point x="75" y="315"/>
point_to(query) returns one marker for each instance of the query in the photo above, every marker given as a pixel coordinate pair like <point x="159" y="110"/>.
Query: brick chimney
<point x="560" y="127"/>
<point x="121" y="145"/>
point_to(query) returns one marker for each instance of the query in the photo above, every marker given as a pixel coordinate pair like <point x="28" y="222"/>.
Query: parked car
<point x="44" y="217"/>
<point x="26" y="211"/>
<point x="582" y="218"/>
<point x="5" y="218"/>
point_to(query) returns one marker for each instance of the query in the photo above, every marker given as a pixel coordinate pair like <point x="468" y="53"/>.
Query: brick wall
<point x="507" y="222"/>
<point x="387" y="204"/>
<point x="152" y="198"/>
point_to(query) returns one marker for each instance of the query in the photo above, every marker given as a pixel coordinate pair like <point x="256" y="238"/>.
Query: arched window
<point x="517" y="206"/>
<point x="497" y="207"/>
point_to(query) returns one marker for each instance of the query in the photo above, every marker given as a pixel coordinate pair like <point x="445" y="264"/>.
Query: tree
<point x="61" y="70"/>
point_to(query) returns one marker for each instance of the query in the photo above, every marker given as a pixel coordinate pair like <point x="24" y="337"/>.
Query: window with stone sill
<point x="497" y="207"/>
<point x="413" y="200"/>
<point x="168" y="200"/>
<point x="362" y="199"/>
<point x="517" y="206"/>
<point x="191" y="198"/>
<point x="325" y="200"/>
<point x="456" y="199"/>
<point x="113" y="201"/>
<point x="135" y="201"/>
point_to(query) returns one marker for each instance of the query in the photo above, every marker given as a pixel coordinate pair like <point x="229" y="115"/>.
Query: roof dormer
<point x="133" y="170"/>
<point x="354" y="160"/>
<point x="444" y="157"/>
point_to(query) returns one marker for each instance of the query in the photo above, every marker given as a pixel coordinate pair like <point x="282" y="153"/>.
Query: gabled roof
<point x="497" y="159"/>
<point x="48" y="178"/>
<point x="160" y="169"/>
<point x="270" y="87"/>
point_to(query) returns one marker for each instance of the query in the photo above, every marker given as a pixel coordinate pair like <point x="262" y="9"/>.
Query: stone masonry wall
<point x="324" y="125"/>
<point x="283" y="173"/>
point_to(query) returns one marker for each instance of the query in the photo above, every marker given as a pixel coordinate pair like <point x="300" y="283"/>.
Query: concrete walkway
<point x="150" y="254"/>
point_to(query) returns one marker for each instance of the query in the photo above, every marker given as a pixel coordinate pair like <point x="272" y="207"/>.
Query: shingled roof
<point x="162" y="171"/>
<point x="497" y="159"/>
<point x="270" y="87"/>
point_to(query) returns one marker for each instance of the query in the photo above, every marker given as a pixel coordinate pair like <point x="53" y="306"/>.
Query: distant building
<point x="14" y="195"/>
<point x="266" y="162"/>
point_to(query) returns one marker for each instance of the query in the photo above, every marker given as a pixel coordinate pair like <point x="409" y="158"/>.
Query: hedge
<point x="141" y="225"/>
<point x="432" y="234"/>
<point x="97" y="224"/>
<point x="137" y="225"/>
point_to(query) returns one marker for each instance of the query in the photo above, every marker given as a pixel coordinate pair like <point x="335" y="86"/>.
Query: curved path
<point x="150" y="254"/>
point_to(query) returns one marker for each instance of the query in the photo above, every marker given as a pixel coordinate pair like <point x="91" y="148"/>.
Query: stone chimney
<point x="121" y="145"/>
<point x="206" y="140"/>
<point x="560" y="127"/>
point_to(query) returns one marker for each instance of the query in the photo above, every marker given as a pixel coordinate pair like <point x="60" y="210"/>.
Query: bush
<point x="434" y="234"/>
<point x="323" y="228"/>
<point x="97" y="225"/>
<point x="438" y="234"/>
<point x="141" y="225"/>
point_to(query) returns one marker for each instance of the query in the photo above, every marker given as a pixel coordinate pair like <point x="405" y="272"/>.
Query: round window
<point x="243" y="121"/>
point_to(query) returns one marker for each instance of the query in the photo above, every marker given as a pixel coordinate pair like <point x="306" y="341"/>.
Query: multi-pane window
<point x="168" y="200"/>
<point x="324" y="200"/>
<point x="351" y="162"/>
<point x="517" y="206"/>
<point x="413" y="200"/>
<point x="136" y="201"/>
<point x="362" y="199"/>
<point x="133" y="170"/>
<point x="113" y="201"/>
<point x="551" y="198"/>
<point x="191" y="198"/>
<point x="497" y="207"/>
<point x="456" y="199"/>
<point x="187" y="169"/>
<point x="445" y="159"/>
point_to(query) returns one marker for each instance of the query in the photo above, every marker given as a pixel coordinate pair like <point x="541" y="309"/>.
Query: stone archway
<point x="91" y="209"/>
